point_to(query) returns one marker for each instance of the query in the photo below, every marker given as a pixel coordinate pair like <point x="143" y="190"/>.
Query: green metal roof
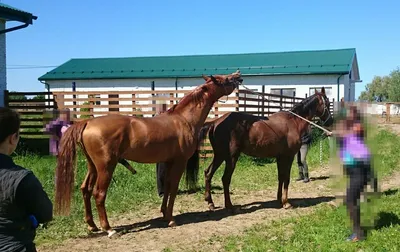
<point x="278" y="63"/>
<point x="10" y="13"/>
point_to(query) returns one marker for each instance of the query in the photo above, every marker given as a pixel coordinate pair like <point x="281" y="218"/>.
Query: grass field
<point x="322" y="230"/>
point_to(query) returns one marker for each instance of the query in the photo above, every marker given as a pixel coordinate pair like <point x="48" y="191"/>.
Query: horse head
<point x="222" y="85"/>
<point x="322" y="109"/>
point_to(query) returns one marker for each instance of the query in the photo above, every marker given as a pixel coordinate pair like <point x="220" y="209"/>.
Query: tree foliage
<point x="16" y="97"/>
<point x="383" y="89"/>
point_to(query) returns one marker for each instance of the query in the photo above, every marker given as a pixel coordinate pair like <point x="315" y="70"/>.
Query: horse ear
<point x="315" y="91"/>
<point x="323" y="90"/>
<point x="214" y="79"/>
<point x="205" y="77"/>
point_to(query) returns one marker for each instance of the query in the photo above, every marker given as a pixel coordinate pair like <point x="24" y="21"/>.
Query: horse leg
<point x="287" y="166"/>
<point x="230" y="165"/>
<point x="208" y="175"/>
<point x="100" y="192"/>
<point x="87" y="189"/>
<point x="173" y="180"/>
<point x="166" y="190"/>
<point x="279" y="163"/>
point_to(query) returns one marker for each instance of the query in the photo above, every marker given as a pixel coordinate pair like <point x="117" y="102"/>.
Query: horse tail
<point x="192" y="167"/>
<point x="65" y="172"/>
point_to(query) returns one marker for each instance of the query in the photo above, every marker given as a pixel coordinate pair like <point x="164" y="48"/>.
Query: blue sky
<point x="124" y="28"/>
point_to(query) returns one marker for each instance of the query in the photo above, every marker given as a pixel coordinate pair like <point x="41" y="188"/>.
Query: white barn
<point x="296" y="73"/>
<point x="8" y="14"/>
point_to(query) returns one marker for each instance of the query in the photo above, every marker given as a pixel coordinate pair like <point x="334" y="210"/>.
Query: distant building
<point x="297" y="73"/>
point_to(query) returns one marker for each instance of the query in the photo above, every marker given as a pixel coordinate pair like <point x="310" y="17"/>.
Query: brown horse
<point x="277" y="136"/>
<point x="171" y="137"/>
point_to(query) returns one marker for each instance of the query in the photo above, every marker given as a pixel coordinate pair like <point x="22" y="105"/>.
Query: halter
<point x="323" y="113"/>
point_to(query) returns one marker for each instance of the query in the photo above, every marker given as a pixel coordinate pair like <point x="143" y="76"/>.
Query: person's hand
<point x="328" y="133"/>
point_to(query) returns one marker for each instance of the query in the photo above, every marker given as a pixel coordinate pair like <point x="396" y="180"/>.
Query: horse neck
<point x="195" y="113"/>
<point x="303" y="125"/>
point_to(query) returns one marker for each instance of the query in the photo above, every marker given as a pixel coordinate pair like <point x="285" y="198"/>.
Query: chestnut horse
<point x="278" y="136"/>
<point x="171" y="137"/>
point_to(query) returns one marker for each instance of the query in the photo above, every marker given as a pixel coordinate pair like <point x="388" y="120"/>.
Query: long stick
<point x="327" y="131"/>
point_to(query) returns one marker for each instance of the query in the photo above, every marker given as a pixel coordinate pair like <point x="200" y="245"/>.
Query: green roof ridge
<point x="264" y="63"/>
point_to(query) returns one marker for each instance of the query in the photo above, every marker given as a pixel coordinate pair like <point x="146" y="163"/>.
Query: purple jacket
<point x="54" y="129"/>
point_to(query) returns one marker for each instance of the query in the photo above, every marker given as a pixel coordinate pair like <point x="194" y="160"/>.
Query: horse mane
<point x="194" y="96"/>
<point x="304" y="105"/>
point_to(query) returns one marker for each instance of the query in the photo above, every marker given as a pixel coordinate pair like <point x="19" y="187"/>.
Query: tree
<point x="383" y="89"/>
<point x="394" y="87"/>
<point x="39" y="97"/>
<point x="376" y="90"/>
<point x="16" y="97"/>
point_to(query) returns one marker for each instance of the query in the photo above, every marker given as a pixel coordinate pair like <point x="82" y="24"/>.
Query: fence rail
<point x="36" y="112"/>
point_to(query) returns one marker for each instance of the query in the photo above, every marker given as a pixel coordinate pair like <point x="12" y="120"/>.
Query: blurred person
<point x="357" y="163"/>
<point x="23" y="202"/>
<point x="302" y="156"/>
<point x="56" y="129"/>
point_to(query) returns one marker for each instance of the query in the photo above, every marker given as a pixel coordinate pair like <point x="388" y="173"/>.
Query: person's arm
<point x="31" y="197"/>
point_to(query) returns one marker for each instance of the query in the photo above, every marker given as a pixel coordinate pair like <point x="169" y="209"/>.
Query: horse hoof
<point x="172" y="224"/>
<point x="211" y="207"/>
<point x="93" y="229"/>
<point x="287" y="206"/>
<point x="111" y="233"/>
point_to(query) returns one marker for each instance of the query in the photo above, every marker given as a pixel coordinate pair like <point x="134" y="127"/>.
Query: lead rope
<point x="320" y="153"/>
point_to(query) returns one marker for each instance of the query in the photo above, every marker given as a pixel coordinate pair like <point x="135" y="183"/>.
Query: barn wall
<point x="301" y="84"/>
<point x="3" y="69"/>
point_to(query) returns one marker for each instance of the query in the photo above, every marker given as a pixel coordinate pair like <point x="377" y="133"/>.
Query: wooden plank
<point x="31" y="101"/>
<point x="136" y="92"/>
<point x="27" y="126"/>
<point x="28" y="93"/>
<point x="137" y="106"/>
<point x="150" y="98"/>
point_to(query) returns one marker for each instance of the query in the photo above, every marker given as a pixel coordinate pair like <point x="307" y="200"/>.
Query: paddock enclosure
<point x="37" y="111"/>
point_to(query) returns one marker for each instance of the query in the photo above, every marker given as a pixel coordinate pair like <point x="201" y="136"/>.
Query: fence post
<point x="388" y="112"/>
<point x="134" y="105"/>
<point x="263" y="100"/>
<point x="237" y="101"/>
<point x="6" y="98"/>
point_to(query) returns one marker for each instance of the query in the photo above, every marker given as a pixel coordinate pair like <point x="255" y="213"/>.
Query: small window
<point x="285" y="91"/>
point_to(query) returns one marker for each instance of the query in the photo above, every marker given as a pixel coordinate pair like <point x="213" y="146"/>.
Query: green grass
<point x="137" y="193"/>
<point x="327" y="228"/>
<point x="131" y="193"/>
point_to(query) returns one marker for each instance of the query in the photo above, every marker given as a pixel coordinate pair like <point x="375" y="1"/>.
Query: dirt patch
<point x="147" y="232"/>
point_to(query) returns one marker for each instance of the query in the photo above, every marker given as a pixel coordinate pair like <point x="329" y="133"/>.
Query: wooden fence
<point x="35" y="113"/>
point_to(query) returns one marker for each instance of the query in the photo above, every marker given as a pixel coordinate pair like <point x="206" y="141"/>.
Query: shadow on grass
<point x="385" y="219"/>
<point x="319" y="178"/>
<point x="202" y="216"/>
<point x="390" y="192"/>
<point x="198" y="189"/>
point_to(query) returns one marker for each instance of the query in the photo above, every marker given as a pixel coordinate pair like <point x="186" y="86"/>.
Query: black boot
<point x="306" y="178"/>
<point x="301" y="177"/>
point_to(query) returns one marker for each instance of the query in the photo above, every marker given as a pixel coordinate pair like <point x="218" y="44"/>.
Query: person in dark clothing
<point x="23" y="202"/>
<point x="160" y="170"/>
<point x="302" y="155"/>
<point x="160" y="167"/>
<point x="357" y="163"/>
